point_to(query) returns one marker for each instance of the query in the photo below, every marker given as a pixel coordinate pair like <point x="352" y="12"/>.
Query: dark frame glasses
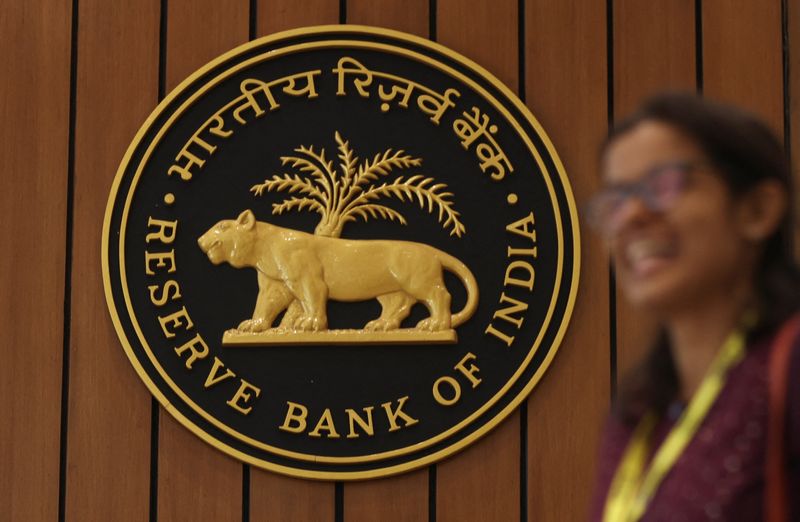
<point x="658" y="189"/>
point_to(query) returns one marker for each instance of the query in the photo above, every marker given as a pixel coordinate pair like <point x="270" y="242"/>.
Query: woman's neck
<point x="697" y="333"/>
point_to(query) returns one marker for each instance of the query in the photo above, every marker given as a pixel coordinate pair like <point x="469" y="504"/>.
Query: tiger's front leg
<point x="273" y="298"/>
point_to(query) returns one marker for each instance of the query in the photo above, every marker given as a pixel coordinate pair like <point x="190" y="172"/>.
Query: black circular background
<point x="337" y="377"/>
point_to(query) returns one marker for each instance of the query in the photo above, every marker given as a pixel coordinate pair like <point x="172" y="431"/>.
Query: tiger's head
<point x="231" y="241"/>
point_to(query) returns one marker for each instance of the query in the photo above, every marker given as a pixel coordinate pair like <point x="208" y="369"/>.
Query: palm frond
<point x="295" y="203"/>
<point x="412" y="189"/>
<point x="289" y="183"/>
<point x="318" y="166"/>
<point x="372" y="210"/>
<point x="348" y="161"/>
<point x="382" y="164"/>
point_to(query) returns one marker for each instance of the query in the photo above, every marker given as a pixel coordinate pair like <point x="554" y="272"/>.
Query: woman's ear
<point x="762" y="209"/>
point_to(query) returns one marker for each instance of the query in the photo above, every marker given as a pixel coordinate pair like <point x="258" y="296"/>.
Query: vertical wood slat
<point x="34" y="107"/>
<point x="403" y="498"/>
<point x="652" y="57"/>
<point x="274" y="497"/>
<point x="648" y="58"/>
<point x="482" y="482"/>
<point x="114" y="96"/>
<point x="280" y="15"/>
<point x="793" y="28"/>
<point x="410" y="16"/>
<point x="742" y="58"/>
<point x="566" y="90"/>
<point x="195" y="480"/>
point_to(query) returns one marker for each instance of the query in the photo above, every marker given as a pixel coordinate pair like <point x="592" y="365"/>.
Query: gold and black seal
<point x="340" y="252"/>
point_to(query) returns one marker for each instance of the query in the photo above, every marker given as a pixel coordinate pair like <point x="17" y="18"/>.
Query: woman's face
<point x="674" y="229"/>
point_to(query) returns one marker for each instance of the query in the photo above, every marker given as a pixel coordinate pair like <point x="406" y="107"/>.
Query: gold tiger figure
<point x="299" y="272"/>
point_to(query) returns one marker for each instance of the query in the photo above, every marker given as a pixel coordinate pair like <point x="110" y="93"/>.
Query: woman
<point x="696" y="213"/>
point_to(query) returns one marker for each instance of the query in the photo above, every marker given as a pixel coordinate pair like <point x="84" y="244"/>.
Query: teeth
<point x="645" y="248"/>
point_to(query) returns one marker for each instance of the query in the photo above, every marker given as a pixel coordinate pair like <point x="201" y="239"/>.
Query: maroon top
<point x="720" y="474"/>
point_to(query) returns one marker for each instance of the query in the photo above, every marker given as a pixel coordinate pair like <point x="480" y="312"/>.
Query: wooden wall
<point x="82" y="440"/>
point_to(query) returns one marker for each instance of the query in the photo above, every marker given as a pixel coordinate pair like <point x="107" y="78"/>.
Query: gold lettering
<point x="198" y="348"/>
<point x="162" y="258"/>
<point x="500" y="335"/>
<point x="175" y="321"/>
<point x="203" y="143"/>
<point x="163" y="226"/>
<point x="437" y="394"/>
<point x="392" y="415"/>
<point x="169" y="285"/>
<point x="218" y="127"/>
<point x="185" y="171"/>
<point x="354" y="418"/>
<point x="469" y="371"/>
<point x="387" y="97"/>
<point x="248" y="89"/>
<point x="213" y="378"/>
<point x="476" y="125"/>
<point x="347" y="65"/>
<point x="492" y="156"/>
<point x="520" y="227"/>
<point x="325" y="423"/>
<point x="309" y="90"/>
<point x="435" y="104"/>
<point x="533" y="252"/>
<point x="296" y="413"/>
<point x="506" y="313"/>
<point x="516" y="281"/>
<point x="242" y="396"/>
<point x="473" y="126"/>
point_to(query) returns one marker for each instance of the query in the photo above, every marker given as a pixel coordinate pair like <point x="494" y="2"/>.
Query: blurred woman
<point x="696" y="211"/>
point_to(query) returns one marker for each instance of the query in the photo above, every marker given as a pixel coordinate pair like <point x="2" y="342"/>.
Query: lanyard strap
<point x="633" y="487"/>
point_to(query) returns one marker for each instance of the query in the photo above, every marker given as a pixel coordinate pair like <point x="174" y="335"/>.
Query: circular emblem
<point x="340" y="252"/>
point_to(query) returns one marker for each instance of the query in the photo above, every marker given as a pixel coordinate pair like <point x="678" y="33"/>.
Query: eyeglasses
<point x="658" y="189"/>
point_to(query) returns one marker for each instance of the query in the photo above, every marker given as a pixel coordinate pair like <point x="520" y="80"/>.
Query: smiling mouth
<point x="645" y="256"/>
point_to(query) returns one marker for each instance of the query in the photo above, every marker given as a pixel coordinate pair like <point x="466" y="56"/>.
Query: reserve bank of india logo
<point x="340" y="252"/>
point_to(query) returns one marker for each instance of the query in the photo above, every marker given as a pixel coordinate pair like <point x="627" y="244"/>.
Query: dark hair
<point x="745" y="153"/>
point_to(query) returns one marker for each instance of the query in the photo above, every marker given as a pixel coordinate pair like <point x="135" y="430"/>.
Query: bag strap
<point x="775" y="495"/>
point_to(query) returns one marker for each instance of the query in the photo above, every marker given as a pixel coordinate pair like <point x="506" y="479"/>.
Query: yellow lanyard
<point x="633" y="487"/>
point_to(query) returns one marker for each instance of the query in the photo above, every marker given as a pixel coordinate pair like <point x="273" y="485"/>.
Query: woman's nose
<point x="632" y="213"/>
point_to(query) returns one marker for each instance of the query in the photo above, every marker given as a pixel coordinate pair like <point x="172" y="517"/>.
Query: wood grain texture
<point x="654" y="50"/>
<point x="111" y="103"/>
<point x="195" y="480"/>
<point x="199" y="31"/>
<point x="34" y="107"/>
<point x="484" y="31"/>
<point x="410" y="16"/>
<point x="403" y="498"/>
<point x="742" y="58"/>
<point x="275" y="497"/>
<point x="279" y="15"/>
<point x="566" y="90"/>
<point x="482" y="483"/>
<point x="648" y="58"/>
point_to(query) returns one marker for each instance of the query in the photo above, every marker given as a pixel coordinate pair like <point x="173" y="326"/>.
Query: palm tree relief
<point x="349" y="192"/>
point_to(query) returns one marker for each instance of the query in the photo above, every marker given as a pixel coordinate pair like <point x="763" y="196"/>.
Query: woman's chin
<point x="656" y="291"/>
